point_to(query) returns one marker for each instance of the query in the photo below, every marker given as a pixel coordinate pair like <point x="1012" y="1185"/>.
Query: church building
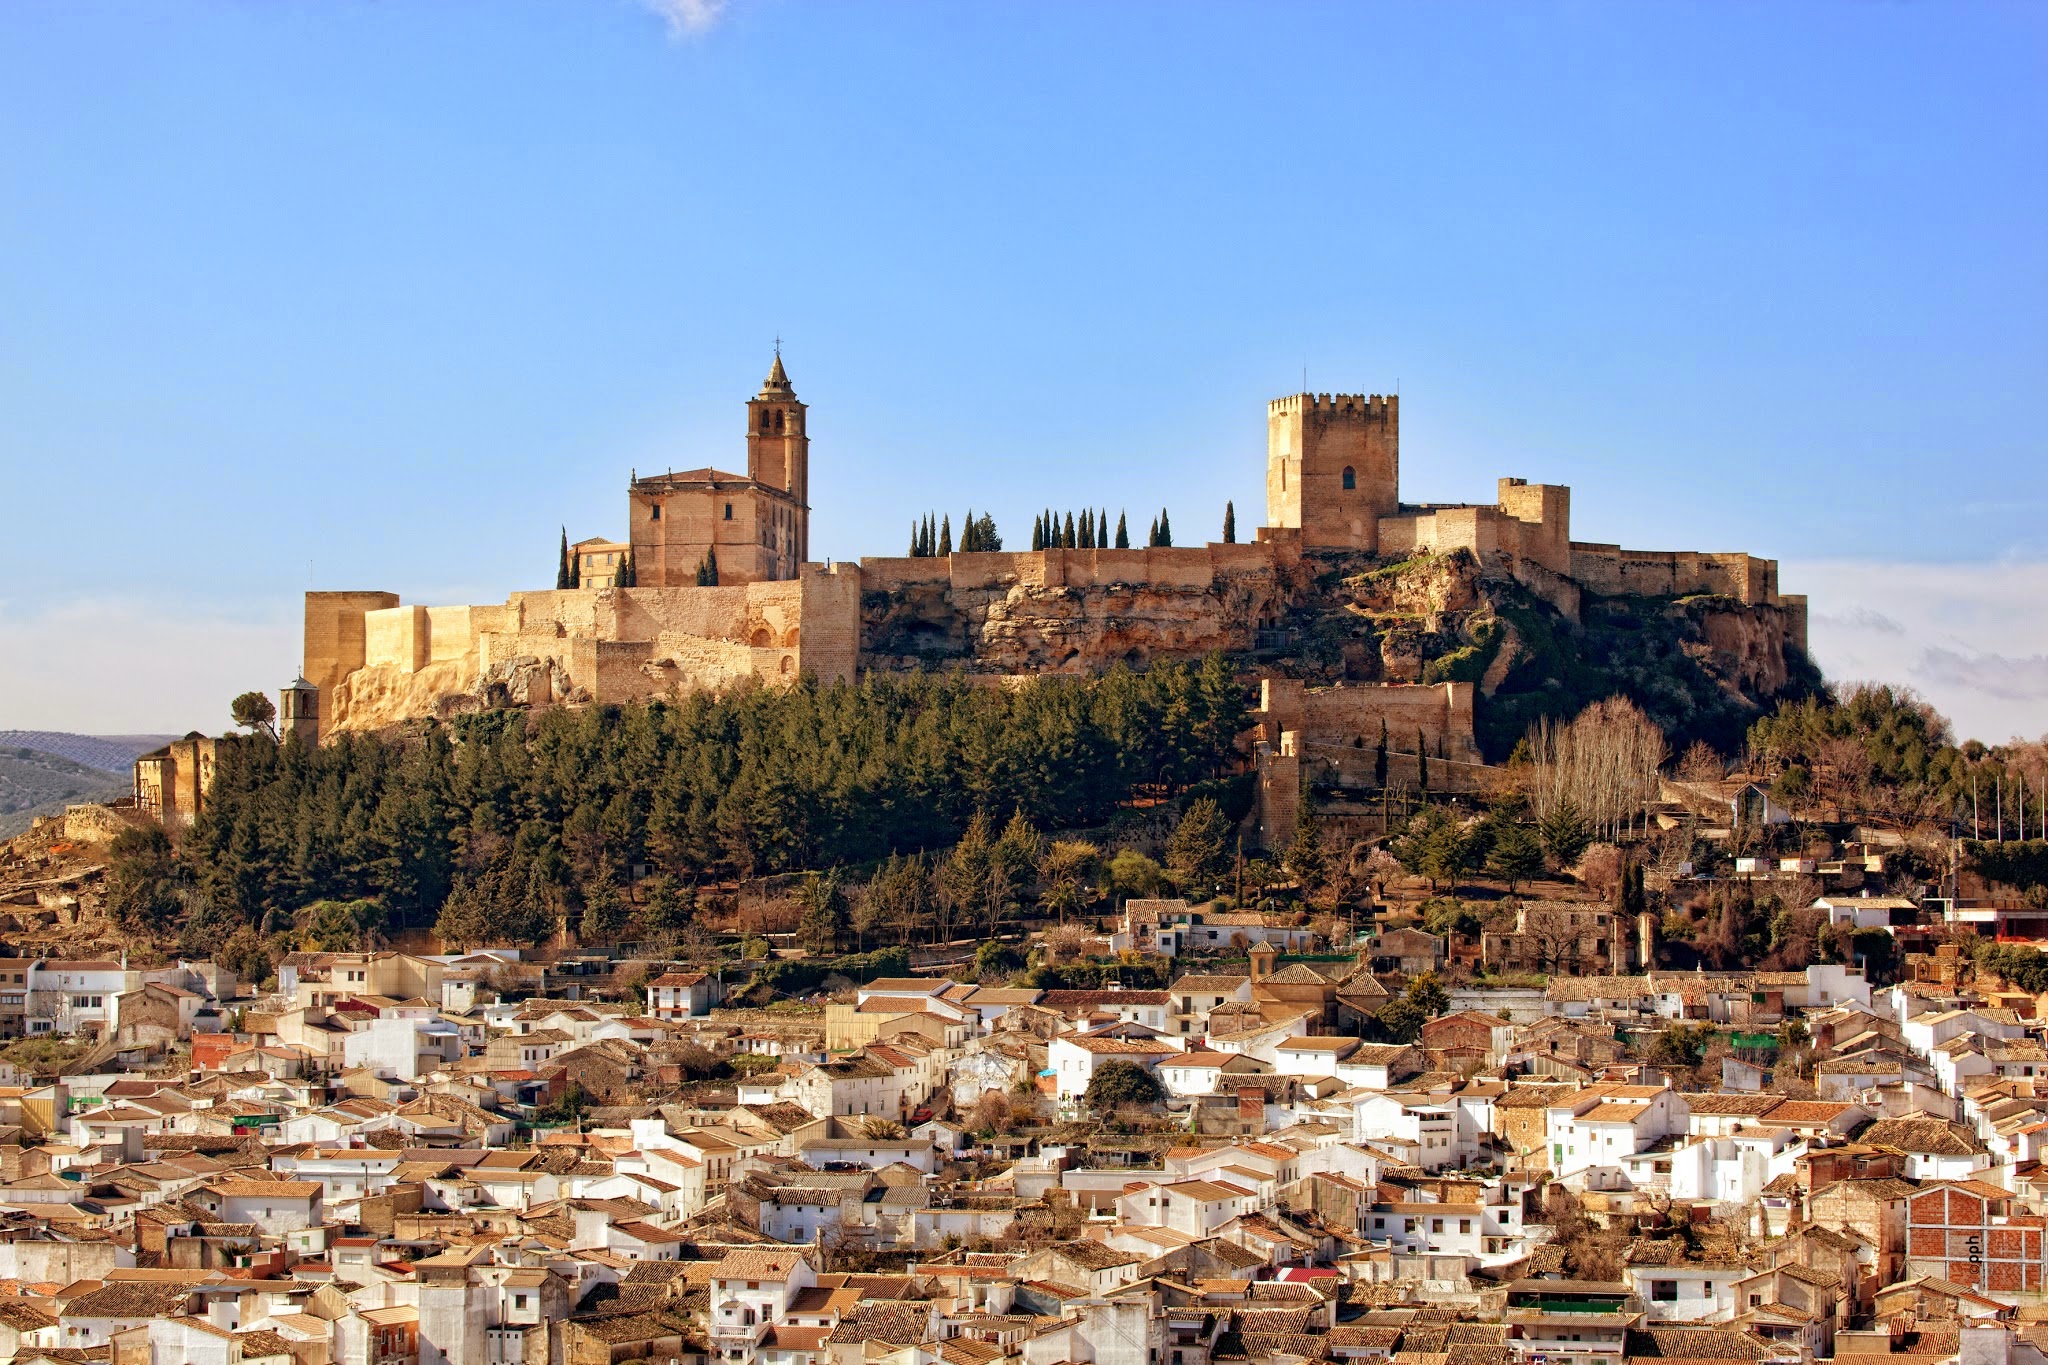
<point x="705" y="525"/>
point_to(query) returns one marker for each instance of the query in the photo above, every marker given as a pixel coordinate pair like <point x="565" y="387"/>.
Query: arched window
<point x="1350" y="478"/>
<point x="778" y="423"/>
<point x="764" y="421"/>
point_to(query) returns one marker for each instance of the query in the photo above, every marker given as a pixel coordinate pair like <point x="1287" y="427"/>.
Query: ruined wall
<point x="1347" y="718"/>
<point x="1615" y="572"/>
<point x="1330" y="735"/>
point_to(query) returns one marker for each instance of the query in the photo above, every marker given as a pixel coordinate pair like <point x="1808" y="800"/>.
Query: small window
<point x="654" y="512"/>
<point x="728" y="511"/>
<point x="1664" y="1291"/>
<point x="1350" y="478"/>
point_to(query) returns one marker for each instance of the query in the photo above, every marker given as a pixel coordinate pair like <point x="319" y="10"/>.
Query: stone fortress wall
<point x="377" y="662"/>
<point x="1333" y="468"/>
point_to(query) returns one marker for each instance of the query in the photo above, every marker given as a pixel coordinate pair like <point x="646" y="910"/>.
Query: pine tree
<point x="1229" y="523"/>
<point x="1165" y="529"/>
<point x="562" y="568"/>
<point x="945" y="537"/>
<point x="1123" y="533"/>
<point x="986" y="538"/>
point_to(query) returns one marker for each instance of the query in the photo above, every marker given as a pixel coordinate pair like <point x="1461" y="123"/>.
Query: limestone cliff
<point x="1023" y="627"/>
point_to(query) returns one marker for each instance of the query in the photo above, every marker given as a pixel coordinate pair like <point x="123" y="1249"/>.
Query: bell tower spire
<point x="779" y="453"/>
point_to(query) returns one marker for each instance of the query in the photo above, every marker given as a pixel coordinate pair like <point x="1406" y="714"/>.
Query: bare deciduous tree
<point x="1604" y="761"/>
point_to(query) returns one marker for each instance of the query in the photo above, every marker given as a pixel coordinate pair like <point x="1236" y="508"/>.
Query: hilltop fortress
<point x="1333" y="503"/>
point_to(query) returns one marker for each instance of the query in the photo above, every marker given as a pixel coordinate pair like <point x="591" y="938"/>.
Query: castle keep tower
<point x="755" y="526"/>
<point x="1333" y="467"/>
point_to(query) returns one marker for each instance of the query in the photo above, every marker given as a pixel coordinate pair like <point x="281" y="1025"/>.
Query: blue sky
<point x="380" y="295"/>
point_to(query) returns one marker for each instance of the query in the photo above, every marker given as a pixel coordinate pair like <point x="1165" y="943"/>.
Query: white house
<point x="1865" y="911"/>
<point x="679" y="995"/>
<point x="64" y="997"/>
<point x="1684" y="1291"/>
<point x="752" y="1291"/>
<point x="1198" y="1207"/>
<point x="1594" y="1128"/>
<point x="403" y="1049"/>
<point x="1074" y="1058"/>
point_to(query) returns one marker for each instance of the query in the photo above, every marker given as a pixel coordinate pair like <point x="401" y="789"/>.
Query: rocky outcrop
<point x="375" y="697"/>
<point x="1021" y="628"/>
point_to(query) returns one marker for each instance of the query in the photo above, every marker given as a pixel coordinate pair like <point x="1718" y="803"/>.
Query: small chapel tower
<point x="779" y="449"/>
<point x="298" y="712"/>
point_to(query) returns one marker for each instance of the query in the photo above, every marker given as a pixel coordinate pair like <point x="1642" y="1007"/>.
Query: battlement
<point x="1369" y="407"/>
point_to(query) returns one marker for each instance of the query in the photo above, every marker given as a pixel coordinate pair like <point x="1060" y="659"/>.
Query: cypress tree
<point x="629" y="573"/>
<point x="562" y="566"/>
<point x="1123" y="533"/>
<point x="1152" y="535"/>
<point x="1102" y="529"/>
<point x="931" y="536"/>
<point x="1421" y="761"/>
<point x="1379" y="758"/>
<point x="916" y="539"/>
<point x="1229" y="523"/>
<point x="1037" y="534"/>
<point x="1087" y="529"/>
<point x="1165" y="528"/>
<point x="967" y="533"/>
<point x="1069" y="540"/>
<point x="945" y="537"/>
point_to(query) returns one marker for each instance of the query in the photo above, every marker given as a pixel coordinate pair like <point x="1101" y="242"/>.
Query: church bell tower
<point x="779" y="450"/>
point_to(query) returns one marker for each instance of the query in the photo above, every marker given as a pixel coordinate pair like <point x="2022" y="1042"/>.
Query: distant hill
<point x="33" y="782"/>
<point x="108" y="753"/>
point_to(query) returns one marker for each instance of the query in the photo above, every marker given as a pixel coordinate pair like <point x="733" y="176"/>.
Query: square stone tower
<point x="779" y="449"/>
<point x="1333" y="467"/>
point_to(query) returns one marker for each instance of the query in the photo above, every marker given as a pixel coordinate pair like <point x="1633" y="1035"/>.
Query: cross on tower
<point x="778" y="345"/>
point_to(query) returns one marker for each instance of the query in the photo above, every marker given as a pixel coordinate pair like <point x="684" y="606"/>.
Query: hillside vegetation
<point x="35" y="783"/>
<point x="528" y="818"/>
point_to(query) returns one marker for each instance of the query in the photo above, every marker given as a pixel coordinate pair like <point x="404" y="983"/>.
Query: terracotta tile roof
<point x="1921" y="1136"/>
<point x="755" y="1264"/>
